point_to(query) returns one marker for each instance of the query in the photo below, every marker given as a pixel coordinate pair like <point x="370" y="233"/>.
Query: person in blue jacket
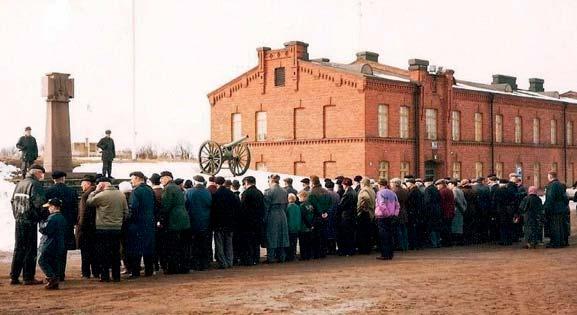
<point x="52" y="245"/>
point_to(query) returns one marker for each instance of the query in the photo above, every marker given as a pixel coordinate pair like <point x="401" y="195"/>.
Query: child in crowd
<point x="306" y="233"/>
<point x="52" y="243"/>
<point x="293" y="214"/>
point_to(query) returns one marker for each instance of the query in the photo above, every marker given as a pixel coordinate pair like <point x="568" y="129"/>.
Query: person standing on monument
<point x="69" y="210"/>
<point x="27" y="145"/>
<point x="27" y="201"/>
<point x="106" y="145"/>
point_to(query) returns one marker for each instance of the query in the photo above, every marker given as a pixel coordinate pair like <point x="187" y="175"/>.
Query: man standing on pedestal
<point x="106" y="144"/>
<point x="27" y="144"/>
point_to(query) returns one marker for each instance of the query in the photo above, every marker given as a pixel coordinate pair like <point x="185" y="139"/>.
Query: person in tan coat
<point x="365" y="217"/>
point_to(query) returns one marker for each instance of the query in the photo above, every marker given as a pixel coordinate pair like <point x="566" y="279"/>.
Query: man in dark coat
<point x="556" y="209"/>
<point x="224" y="207"/>
<point x="27" y="201"/>
<point x="139" y="225"/>
<point x="484" y="205"/>
<point x="532" y="210"/>
<point x="250" y="226"/>
<point x="106" y="144"/>
<point x="346" y="214"/>
<point x="198" y="203"/>
<point x="469" y="220"/>
<point x="493" y="183"/>
<point x="415" y="214"/>
<point x="160" y="230"/>
<point x="288" y="187"/>
<point x="276" y="225"/>
<point x="357" y="183"/>
<point x="69" y="210"/>
<point x="433" y="213"/>
<point x="321" y="201"/>
<point x="505" y="202"/>
<point x="85" y="229"/>
<point x="27" y="145"/>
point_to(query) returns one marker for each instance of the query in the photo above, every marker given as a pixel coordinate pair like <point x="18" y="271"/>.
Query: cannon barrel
<point x="232" y="144"/>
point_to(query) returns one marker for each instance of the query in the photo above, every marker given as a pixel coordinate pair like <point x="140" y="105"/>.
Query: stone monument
<point x="58" y="88"/>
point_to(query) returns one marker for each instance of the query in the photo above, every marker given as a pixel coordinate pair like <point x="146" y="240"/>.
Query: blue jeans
<point x="386" y="229"/>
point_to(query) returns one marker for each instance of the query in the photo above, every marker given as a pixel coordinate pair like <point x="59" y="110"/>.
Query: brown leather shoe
<point x="32" y="282"/>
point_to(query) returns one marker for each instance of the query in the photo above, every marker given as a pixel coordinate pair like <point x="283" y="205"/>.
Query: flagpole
<point x="133" y="80"/>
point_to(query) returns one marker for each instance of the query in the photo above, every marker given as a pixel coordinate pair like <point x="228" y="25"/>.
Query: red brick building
<point x="311" y="116"/>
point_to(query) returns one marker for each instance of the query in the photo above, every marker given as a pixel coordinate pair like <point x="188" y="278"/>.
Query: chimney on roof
<point x="505" y="79"/>
<point x="300" y="48"/>
<point x="536" y="85"/>
<point x="418" y="64"/>
<point x="368" y="56"/>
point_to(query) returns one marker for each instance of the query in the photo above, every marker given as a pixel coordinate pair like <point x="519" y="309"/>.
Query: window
<point x="478" y="127"/>
<point x="279" y="76"/>
<point x="383" y="120"/>
<point x="569" y="133"/>
<point x="404" y="169"/>
<point x="570" y="178"/>
<point x="553" y="131"/>
<point x="498" y="128"/>
<point x="554" y="167"/>
<point x="536" y="130"/>
<point x="261" y="126"/>
<point x="518" y="130"/>
<point x="261" y="166"/>
<point x="384" y="169"/>
<point x="478" y="169"/>
<point x="431" y="123"/>
<point x="456" y="125"/>
<point x="236" y="126"/>
<point x="404" y="122"/>
<point x="457" y="170"/>
<point x="536" y="174"/>
<point x="499" y="169"/>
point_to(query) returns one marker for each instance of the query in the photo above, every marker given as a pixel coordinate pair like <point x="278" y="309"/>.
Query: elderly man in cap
<point x="225" y="205"/>
<point x="111" y="210"/>
<point x="27" y="201"/>
<point x="52" y="247"/>
<point x="177" y="225"/>
<point x="69" y="210"/>
<point x="85" y="228"/>
<point x="306" y="184"/>
<point x="277" y="237"/>
<point x="288" y="186"/>
<point x="251" y="222"/>
<point x="106" y="145"/>
<point x="27" y="145"/>
<point x="198" y="201"/>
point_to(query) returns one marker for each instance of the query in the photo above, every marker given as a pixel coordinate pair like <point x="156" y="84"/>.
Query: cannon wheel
<point x="240" y="160"/>
<point x="210" y="157"/>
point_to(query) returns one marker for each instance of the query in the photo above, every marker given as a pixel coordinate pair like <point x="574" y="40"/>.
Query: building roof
<point x="505" y="89"/>
<point x="365" y="69"/>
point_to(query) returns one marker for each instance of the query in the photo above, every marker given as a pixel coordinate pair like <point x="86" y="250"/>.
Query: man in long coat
<point x="69" y="210"/>
<point x="415" y="213"/>
<point x="433" y="213"/>
<point x="346" y="214"/>
<point x="277" y="238"/>
<point x="140" y="225"/>
<point x="106" y="144"/>
<point x="251" y="222"/>
<point x="556" y="209"/>
<point x="27" y="145"/>
<point x="198" y="204"/>
<point x="225" y="206"/>
<point x="448" y="207"/>
<point x="321" y="201"/>
<point x="365" y="216"/>
<point x="85" y="229"/>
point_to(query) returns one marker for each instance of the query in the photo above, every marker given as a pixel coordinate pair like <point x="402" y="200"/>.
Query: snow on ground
<point x="184" y="170"/>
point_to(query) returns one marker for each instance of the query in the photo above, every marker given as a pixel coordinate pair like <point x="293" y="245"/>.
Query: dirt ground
<point x="459" y="280"/>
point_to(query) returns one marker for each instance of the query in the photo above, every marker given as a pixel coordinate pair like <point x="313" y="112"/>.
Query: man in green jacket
<point x="173" y="213"/>
<point x="556" y="209"/>
<point x="111" y="210"/>
<point x="106" y="144"/>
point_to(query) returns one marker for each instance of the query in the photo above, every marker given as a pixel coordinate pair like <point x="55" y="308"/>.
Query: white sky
<point x="185" y="49"/>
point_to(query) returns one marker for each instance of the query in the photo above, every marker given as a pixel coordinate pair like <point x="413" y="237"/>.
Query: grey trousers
<point x="223" y="251"/>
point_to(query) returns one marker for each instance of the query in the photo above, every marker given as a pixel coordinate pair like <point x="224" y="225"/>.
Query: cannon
<point x="212" y="156"/>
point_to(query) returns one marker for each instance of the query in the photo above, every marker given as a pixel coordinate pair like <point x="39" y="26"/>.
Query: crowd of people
<point x="169" y="224"/>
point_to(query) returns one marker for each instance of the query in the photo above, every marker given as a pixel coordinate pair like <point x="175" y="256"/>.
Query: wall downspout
<point x="491" y="114"/>
<point x="416" y="101"/>
<point x="565" y="143"/>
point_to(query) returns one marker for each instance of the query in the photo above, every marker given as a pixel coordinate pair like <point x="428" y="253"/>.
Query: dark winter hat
<point x="454" y="182"/>
<point x="138" y="174"/>
<point x="187" y="184"/>
<point x="58" y="174"/>
<point x="37" y="167"/>
<point x="27" y="129"/>
<point x="306" y="181"/>
<point x="249" y="180"/>
<point x="198" y="179"/>
<point x="480" y="179"/>
<point x="88" y="178"/>
<point x="219" y="180"/>
<point x="179" y="181"/>
<point x="288" y="180"/>
<point x="211" y="179"/>
<point x="166" y="173"/>
<point x="155" y="179"/>
<point x="358" y="178"/>
<point x="329" y="184"/>
<point x="440" y="182"/>
<point x="103" y="180"/>
<point x="410" y="180"/>
<point x="227" y="183"/>
<point x="347" y="181"/>
<point x="339" y="181"/>
<point x="383" y="182"/>
<point x="108" y="132"/>
<point x="53" y="202"/>
<point x="235" y="184"/>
